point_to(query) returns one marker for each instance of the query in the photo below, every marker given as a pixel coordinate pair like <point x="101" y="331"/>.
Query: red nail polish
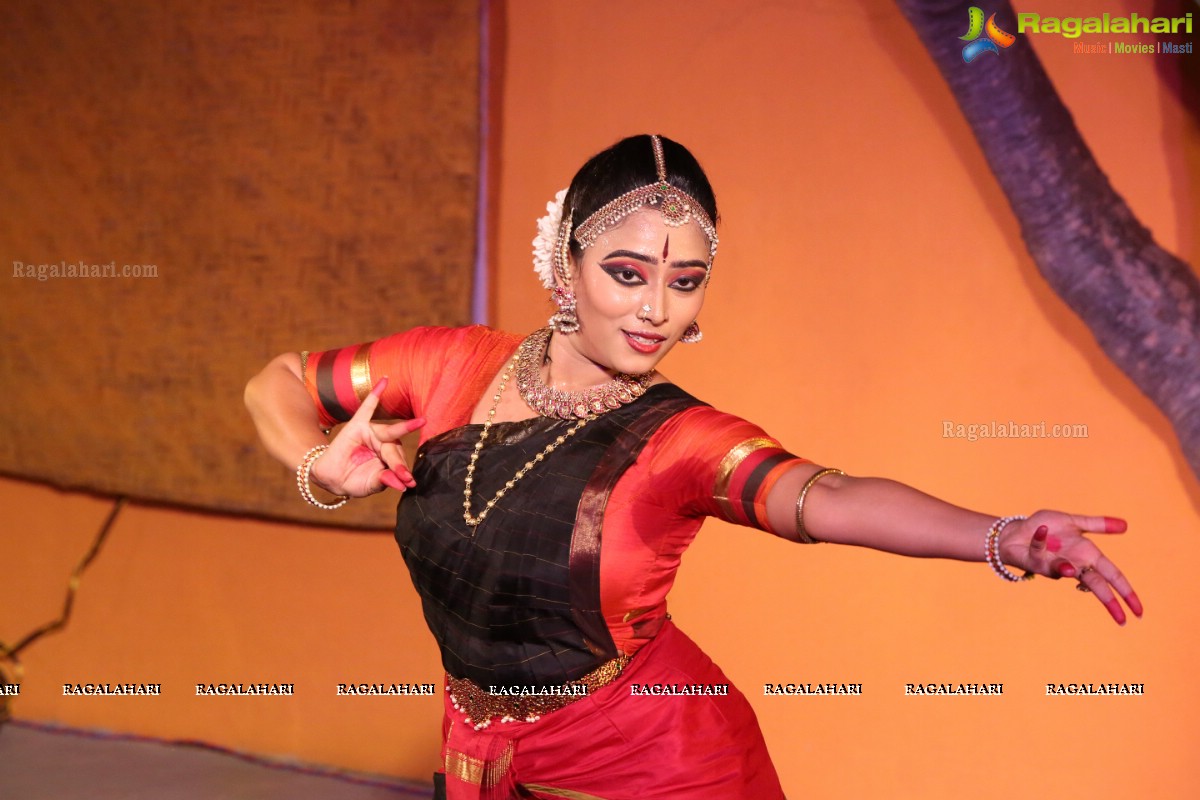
<point x="1135" y="603"/>
<point x="1114" y="608"/>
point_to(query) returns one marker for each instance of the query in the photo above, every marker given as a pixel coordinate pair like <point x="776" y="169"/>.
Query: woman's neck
<point x="567" y="369"/>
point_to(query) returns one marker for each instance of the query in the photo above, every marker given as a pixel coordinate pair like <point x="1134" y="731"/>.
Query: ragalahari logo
<point x="994" y="40"/>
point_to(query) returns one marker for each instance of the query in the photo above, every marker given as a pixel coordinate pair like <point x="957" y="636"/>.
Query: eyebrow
<point x="631" y="254"/>
<point x="652" y="260"/>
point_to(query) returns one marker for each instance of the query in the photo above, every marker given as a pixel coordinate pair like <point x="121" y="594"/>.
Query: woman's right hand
<point x="365" y="457"/>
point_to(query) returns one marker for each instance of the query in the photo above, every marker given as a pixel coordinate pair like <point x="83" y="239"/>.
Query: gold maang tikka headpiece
<point x="677" y="206"/>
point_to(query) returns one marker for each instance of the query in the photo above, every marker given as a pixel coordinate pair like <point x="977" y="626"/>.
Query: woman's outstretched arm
<point x="889" y="516"/>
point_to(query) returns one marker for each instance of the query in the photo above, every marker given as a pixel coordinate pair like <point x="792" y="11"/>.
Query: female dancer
<point x="559" y="479"/>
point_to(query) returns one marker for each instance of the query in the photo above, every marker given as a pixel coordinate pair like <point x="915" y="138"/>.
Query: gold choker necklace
<point x="528" y="361"/>
<point x="570" y="405"/>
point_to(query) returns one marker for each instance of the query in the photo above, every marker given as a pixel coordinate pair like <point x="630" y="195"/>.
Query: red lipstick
<point x="644" y="341"/>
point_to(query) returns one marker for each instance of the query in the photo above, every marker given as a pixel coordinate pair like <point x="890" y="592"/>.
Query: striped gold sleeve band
<point x="728" y="466"/>
<point x="360" y="372"/>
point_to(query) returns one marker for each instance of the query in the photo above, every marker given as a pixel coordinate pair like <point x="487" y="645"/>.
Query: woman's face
<point x="642" y="261"/>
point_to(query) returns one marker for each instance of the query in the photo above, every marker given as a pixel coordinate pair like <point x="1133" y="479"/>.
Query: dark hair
<point x="628" y="165"/>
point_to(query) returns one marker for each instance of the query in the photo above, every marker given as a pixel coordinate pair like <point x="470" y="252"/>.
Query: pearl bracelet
<point x="991" y="551"/>
<point x="304" y="476"/>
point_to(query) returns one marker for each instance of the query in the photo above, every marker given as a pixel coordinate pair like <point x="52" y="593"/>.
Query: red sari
<point x="632" y="738"/>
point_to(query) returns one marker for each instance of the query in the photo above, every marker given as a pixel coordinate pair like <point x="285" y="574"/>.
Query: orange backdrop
<point x="871" y="286"/>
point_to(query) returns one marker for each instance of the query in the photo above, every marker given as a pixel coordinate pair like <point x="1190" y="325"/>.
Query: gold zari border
<point x="476" y="771"/>
<point x="570" y="794"/>
<point x="360" y="372"/>
<point x="464" y="767"/>
<point x="729" y="464"/>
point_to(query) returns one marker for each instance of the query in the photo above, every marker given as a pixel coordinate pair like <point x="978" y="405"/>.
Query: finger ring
<point x="1081" y="586"/>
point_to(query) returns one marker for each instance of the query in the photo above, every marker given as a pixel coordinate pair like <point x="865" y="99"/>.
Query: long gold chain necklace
<point x="473" y="521"/>
<point x="527" y="361"/>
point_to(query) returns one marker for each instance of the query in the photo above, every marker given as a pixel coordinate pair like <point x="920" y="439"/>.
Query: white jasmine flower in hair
<point x="547" y="235"/>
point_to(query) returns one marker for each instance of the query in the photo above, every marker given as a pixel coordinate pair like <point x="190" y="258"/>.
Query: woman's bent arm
<point x="363" y="458"/>
<point x="282" y="411"/>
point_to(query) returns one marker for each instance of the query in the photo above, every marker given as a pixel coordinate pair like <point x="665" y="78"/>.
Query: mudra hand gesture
<point x="1052" y="543"/>
<point x="366" y="457"/>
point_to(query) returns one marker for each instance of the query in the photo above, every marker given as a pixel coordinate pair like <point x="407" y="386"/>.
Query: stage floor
<point x="42" y="762"/>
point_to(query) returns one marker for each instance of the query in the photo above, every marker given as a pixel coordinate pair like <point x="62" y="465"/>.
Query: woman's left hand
<point x="1053" y="544"/>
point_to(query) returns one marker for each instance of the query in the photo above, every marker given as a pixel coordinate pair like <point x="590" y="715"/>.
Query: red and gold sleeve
<point x="736" y="464"/>
<point x="413" y="362"/>
<point x="430" y="370"/>
<point x="744" y="479"/>
<point x="338" y="380"/>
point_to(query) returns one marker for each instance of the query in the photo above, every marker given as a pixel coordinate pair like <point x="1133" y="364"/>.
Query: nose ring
<point x="645" y="311"/>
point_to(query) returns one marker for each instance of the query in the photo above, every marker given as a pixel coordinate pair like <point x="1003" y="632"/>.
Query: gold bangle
<point x="801" y="533"/>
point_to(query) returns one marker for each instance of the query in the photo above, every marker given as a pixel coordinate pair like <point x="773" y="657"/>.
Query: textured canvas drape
<point x="235" y="180"/>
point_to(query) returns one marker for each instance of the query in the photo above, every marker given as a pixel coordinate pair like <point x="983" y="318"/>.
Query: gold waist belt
<point x="510" y="704"/>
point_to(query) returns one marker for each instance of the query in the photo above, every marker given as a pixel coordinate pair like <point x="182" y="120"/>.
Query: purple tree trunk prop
<point x="1141" y="303"/>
